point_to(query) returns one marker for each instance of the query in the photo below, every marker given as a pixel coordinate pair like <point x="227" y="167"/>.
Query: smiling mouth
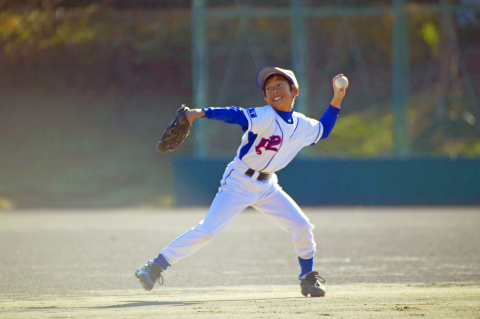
<point x="277" y="98"/>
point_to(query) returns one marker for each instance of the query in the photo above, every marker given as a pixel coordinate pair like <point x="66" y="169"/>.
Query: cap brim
<point x="265" y="72"/>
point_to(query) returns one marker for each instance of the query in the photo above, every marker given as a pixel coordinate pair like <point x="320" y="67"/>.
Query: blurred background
<point x="87" y="88"/>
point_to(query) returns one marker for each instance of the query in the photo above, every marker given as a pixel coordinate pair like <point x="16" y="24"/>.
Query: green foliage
<point x="43" y="29"/>
<point x="123" y="4"/>
<point x="455" y="148"/>
<point x="94" y="48"/>
<point x="359" y="135"/>
<point x="430" y="35"/>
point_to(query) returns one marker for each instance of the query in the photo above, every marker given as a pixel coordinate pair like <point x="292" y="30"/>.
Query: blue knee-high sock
<point x="162" y="262"/>
<point x="306" y="265"/>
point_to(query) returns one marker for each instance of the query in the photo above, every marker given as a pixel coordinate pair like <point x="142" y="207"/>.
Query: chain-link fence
<point x="437" y="79"/>
<point x="88" y="86"/>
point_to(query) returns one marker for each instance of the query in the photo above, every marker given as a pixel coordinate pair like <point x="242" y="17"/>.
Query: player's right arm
<point x="330" y="116"/>
<point x="338" y="94"/>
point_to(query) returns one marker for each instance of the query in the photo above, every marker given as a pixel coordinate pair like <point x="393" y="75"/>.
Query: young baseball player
<point x="274" y="134"/>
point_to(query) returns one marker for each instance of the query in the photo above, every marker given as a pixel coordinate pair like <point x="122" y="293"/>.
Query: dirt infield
<point x="378" y="263"/>
<point x="344" y="301"/>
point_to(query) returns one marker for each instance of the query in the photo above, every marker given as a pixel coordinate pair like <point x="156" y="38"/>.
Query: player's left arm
<point x="192" y="114"/>
<point x="231" y="115"/>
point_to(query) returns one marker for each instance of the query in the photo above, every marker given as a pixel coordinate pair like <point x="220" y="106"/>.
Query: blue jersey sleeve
<point x="231" y="115"/>
<point x="328" y="120"/>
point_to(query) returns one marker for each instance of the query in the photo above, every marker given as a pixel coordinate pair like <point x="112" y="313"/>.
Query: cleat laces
<point x="314" y="277"/>
<point x="159" y="280"/>
<point x="317" y="277"/>
<point x="156" y="273"/>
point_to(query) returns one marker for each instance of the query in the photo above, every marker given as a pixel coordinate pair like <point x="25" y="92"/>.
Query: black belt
<point x="261" y="176"/>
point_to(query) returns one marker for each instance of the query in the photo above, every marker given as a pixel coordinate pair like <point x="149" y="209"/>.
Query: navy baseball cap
<point x="264" y="73"/>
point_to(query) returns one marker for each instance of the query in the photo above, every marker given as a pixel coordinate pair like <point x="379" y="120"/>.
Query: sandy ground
<point x="378" y="263"/>
<point x="344" y="301"/>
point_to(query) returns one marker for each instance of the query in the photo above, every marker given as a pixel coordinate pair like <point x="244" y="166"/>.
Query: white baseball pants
<point x="236" y="192"/>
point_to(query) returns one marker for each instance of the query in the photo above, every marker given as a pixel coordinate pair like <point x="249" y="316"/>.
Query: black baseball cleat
<point x="148" y="274"/>
<point x="311" y="285"/>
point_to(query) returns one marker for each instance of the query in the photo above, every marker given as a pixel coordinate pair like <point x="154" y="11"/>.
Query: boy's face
<point x="279" y="93"/>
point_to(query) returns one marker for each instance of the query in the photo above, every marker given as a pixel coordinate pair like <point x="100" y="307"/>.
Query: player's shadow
<point x="130" y="304"/>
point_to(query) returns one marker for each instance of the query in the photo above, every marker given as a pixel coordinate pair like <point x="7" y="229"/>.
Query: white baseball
<point x="341" y="82"/>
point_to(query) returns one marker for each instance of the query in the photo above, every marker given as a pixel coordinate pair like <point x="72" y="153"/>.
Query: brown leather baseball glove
<point x="176" y="132"/>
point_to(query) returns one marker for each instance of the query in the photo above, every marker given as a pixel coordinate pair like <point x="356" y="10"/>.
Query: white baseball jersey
<point x="270" y="143"/>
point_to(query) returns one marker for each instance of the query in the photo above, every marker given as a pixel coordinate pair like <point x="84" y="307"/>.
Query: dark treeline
<point x="142" y="4"/>
<point x="154" y="4"/>
<point x="91" y="48"/>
